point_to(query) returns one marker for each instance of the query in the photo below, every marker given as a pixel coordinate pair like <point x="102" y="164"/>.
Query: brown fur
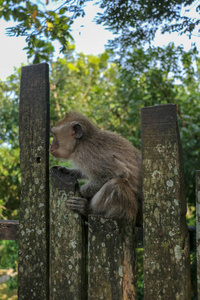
<point x="110" y="162"/>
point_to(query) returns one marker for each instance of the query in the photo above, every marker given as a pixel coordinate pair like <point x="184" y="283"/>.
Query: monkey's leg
<point x="79" y="205"/>
<point x="115" y="199"/>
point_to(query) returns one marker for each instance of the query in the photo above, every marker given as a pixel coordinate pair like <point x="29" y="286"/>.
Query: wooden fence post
<point x="67" y="242"/>
<point x="111" y="259"/>
<point x="33" y="279"/>
<point x="198" y="230"/>
<point x="166" y="238"/>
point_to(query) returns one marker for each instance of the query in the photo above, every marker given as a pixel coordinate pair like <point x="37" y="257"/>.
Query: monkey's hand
<point x="72" y="172"/>
<point x="79" y="205"/>
<point x="63" y="169"/>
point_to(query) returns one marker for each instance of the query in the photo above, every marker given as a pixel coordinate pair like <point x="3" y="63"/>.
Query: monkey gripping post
<point x="67" y="241"/>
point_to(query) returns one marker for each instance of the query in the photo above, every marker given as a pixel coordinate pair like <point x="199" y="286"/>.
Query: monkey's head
<point x="68" y="132"/>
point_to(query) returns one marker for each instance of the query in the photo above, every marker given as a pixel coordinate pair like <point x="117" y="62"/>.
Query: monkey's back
<point x="105" y="154"/>
<point x="121" y="195"/>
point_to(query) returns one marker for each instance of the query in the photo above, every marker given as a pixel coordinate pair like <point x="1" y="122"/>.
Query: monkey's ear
<point x="77" y="130"/>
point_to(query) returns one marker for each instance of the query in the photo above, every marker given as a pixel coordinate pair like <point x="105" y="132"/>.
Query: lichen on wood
<point x="67" y="242"/>
<point x="33" y="279"/>
<point x="111" y="259"/>
<point x="166" y="238"/>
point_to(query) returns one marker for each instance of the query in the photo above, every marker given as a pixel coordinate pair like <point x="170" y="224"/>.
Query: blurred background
<point x="107" y="59"/>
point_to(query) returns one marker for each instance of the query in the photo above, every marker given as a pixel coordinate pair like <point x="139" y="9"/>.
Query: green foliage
<point x="136" y="22"/>
<point x="10" y="178"/>
<point x="9" y="254"/>
<point x="9" y="259"/>
<point x="9" y="107"/>
<point x="85" y="83"/>
<point x="12" y="283"/>
<point x="10" y="182"/>
<point x="158" y="76"/>
<point x="41" y="25"/>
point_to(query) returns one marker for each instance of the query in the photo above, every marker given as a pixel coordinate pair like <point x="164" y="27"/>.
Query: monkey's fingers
<point x="79" y="205"/>
<point x="62" y="169"/>
<point x="78" y="199"/>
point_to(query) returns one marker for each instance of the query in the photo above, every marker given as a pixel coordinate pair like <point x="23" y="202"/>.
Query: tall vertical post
<point x="198" y="230"/>
<point x="33" y="280"/>
<point x="166" y="238"/>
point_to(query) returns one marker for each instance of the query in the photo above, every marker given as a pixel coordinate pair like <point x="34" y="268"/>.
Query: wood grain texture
<point x="33" y="279"/>
<point x="67" y="242"/>
<point x="111" y="259"/>
<point x="166" y="238"/>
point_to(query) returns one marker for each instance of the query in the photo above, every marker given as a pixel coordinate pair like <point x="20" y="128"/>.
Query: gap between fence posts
<point x="33" y="266"/>
<point x="166" y="238"/>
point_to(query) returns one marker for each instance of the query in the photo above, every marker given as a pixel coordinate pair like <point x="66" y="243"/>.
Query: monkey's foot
<point x="79" y="205"/>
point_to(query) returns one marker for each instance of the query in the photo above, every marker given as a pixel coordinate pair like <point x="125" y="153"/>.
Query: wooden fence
<point x="63" y="257"/>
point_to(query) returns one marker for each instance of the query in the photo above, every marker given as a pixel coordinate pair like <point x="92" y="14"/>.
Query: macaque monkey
<point x="110" y="163"/>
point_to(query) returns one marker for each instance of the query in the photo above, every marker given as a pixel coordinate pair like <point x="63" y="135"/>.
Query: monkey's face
<point x="63" y="143"/>
<point x="65" y="138"/>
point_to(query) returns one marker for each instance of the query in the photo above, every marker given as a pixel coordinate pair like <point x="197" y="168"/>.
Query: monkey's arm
<point x="89" y="189"/>
<point x="72" y="172"/>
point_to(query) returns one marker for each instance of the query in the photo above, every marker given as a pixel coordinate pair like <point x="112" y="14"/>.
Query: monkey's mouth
<point x="54" y="146"/>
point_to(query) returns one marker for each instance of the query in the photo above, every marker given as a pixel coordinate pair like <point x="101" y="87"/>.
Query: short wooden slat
<point x="33" y="268"/>
<point x="67" y="242"/>
<point x="198" y="230"/>
<point x="166" y="238"/>
<point x="111" y="259"/>
<point x="9" y="229"/>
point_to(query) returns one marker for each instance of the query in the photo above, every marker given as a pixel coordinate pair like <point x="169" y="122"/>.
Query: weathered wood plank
<point x="67" y="242"/>
<point x="111" y="259"/>
<point x="198" y="230"/>
<point x="166" y="238"/>
<point x="9" y="229"/>
<point x="33" y="279"/>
